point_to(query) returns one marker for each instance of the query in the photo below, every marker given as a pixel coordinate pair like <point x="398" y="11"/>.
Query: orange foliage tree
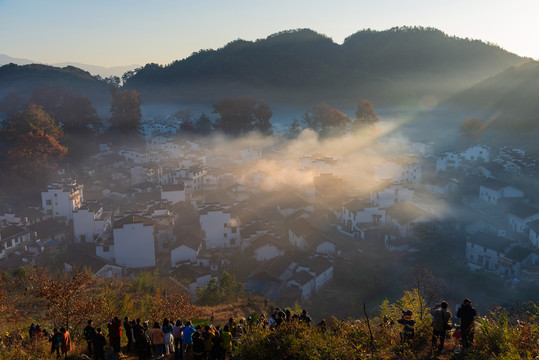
<point x="70" y="298"/>
<point x="326" y="120"/>
<point x="471" y="128"/>
<point x="365" y="114"/>
<point x="35" y="145"/>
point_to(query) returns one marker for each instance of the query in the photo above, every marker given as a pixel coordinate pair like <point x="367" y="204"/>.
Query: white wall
<point x="216" y="233"/>
<point x="134" y="245"/>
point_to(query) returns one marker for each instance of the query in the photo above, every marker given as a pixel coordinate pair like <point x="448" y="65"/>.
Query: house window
<point x="234" y="230"/>
<point x="225" y="235"/>
<point x="48" y="202"/>
<point x="106" y="248"/>
<point x="83" y="238"/>
<point x="225" y="225"/>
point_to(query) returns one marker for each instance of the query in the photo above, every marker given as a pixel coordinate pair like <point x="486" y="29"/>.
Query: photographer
<point x="467" y="313"/>
<point x="440" y="318"/>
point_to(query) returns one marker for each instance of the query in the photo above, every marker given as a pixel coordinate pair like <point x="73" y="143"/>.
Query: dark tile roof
<point x="190" y="240"/>
<point x="11" y="231"/>
<point x="302" y="277"/>
<point x="302" y="227"/>
<point x="493" y="184"/>
<point x="47" y="228"/>
<point x="534" y="225"/>
<point x="404" y="212"/>
<point x="357" y="205"/>
<point x="522" y="210"/>
<point x="518" y="253"/>
<point x="173" y="187"/>
<point x="490" y="241"/>
<point x="132" y="219"/>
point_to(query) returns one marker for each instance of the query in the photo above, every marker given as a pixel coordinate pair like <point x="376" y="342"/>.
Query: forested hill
<point x="303" y="66"/>
<point x="25" y="78"/>
<point x="510" y="99"/>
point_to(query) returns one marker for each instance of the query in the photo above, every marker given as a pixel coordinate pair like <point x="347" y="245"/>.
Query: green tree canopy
<point x="203" y="125"/>
<point x="242" y="115"/>
<point x="125" y="111"/>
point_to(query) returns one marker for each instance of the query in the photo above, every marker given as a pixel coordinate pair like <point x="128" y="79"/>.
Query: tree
<point x="12" y="103"/>
<point x="74" y="113"/>
<point x="226" y="291"/>
<point x="471" y="128"/>
<point x="365" y="114"/>
<point x="242" y="115"/>
<point x="185" y="117"/>
<point x="325" y="120"/>
<point x="67" y="296"/>
<point x="427" y="286"/>
<point x="203" y="125"/>
<point x="35" y="148"/>
<point x="125" y="111"/>
<point x="294" y="129"/>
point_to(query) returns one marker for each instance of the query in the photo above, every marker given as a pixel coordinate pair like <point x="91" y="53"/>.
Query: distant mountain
<point x="389" y="67"/>
<point x="5" y="59"/>
<point x="93" y="69"/>
<point x="101" y="70"/>
<point x="27" y="77"/>
<point x="509" y="99"/>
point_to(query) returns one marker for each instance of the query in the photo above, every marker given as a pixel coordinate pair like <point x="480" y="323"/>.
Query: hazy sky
<point x="123" y="32"/>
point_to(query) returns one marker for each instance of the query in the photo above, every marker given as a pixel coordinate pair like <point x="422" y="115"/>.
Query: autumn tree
<point x="242" y="115"/>
<point x="203" y="125"/>
<point x="125" y="111"/>
<point x="35" y="148"/>
<point x="326" y="120"/>
<point x="471" y="128"/>
<point x="69" y="297"/>
<point x="365" y="114"/>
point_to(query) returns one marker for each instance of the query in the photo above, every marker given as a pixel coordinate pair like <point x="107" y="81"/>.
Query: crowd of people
<point x="181" y="339"/>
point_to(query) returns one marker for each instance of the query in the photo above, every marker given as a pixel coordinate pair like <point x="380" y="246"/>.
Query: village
<point x="183" y="207"/>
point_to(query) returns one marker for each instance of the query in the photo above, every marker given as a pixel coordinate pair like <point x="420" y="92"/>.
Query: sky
<point x="125" y="32"/>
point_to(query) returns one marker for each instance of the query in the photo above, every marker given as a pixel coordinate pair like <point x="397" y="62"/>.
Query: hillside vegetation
<point x="61" y="299"/>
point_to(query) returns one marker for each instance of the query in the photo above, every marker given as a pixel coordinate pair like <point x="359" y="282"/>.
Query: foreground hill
<point x="304" y="66"/>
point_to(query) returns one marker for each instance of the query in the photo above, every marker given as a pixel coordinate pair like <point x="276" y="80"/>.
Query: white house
<point x="400" y="170"/>
<point x="290" y="204"/>
<point x="12" y="237"/>
<point x="219" y="228"/>
<point x="61" y="199"/>
<point x="497" y="254"/>
<point x="492" y="191"/>
<point x="174" y="193"/>
<point x="476" y="153"/>
<point x="134" y="241"/>
<point x="446" y="160"/>
<point x="405" y="217"/>
<point x="355" y="212"/>
<point x="520" y="215"/>
<point x="483" y="251"/>
<point x="266" y="247"/>
<point x="388" y="196"/>
<point x="185" y="249"/>
<point x="89" y="221"/>
<point x="298" y="232"/>
<point x="134" y="156"/>
<point x="305" y="282"/>
<point x="534" y="232"/>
